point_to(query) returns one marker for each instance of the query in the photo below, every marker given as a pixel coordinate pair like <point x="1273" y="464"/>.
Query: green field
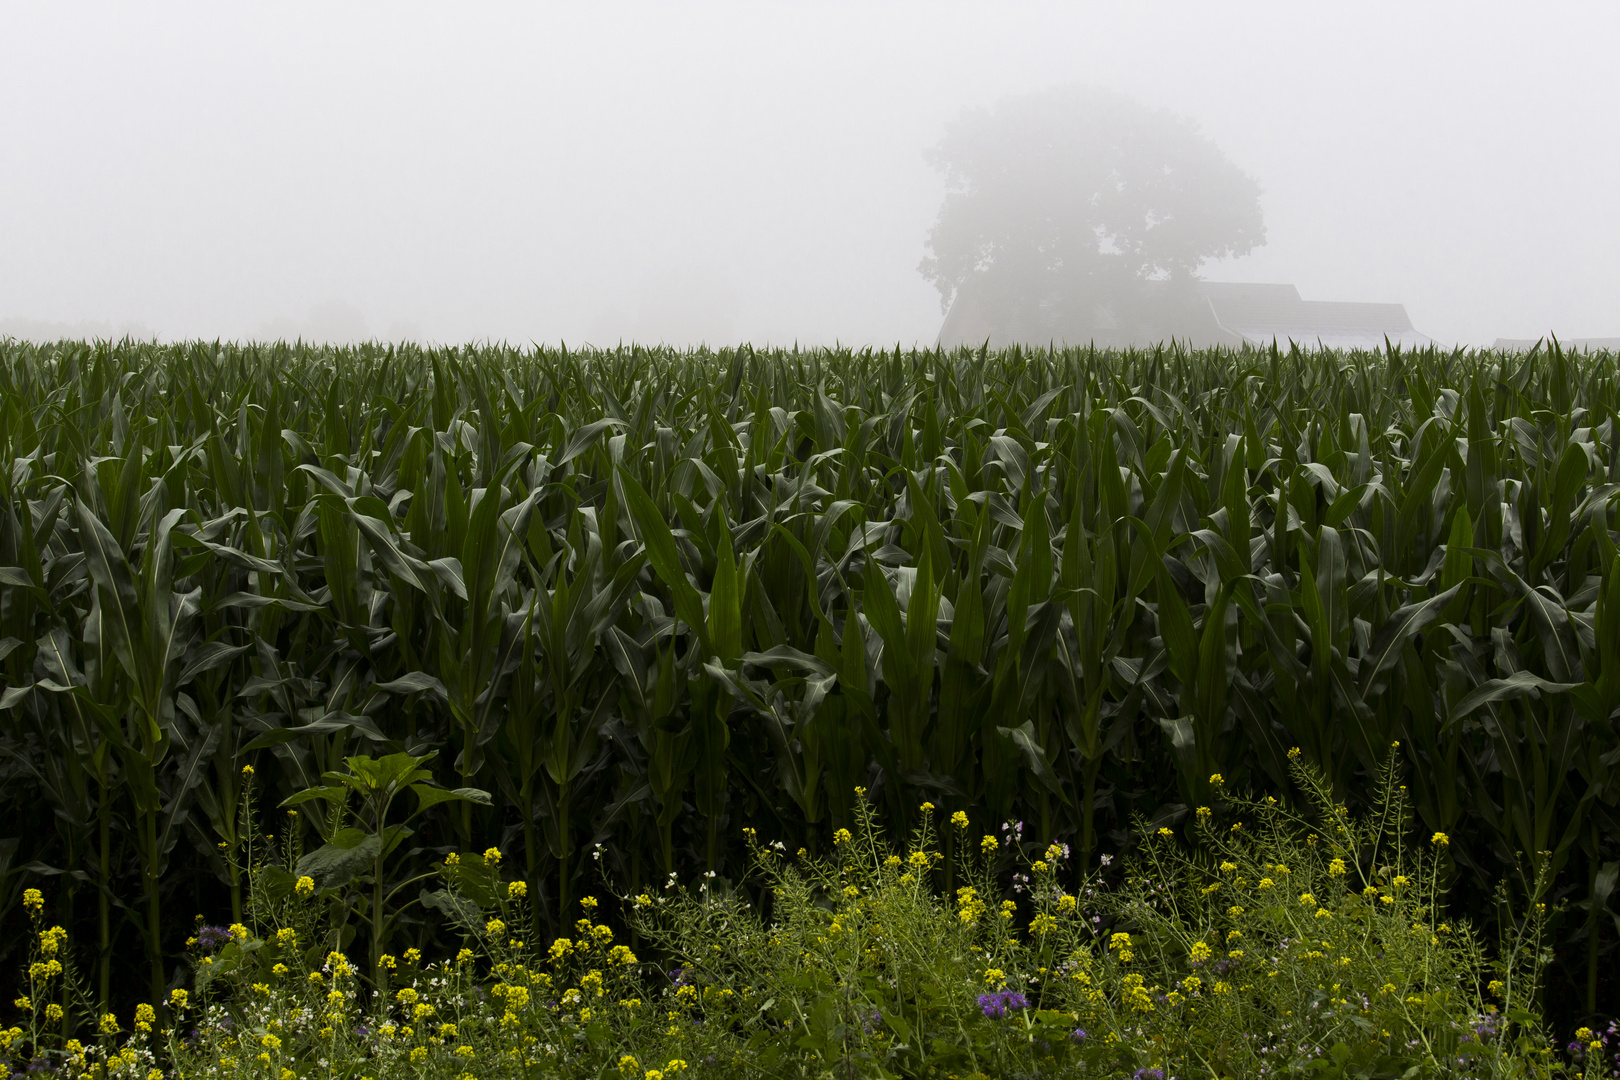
<point x="640" y="600"/>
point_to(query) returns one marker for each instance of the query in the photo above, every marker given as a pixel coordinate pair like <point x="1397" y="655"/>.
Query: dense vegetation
<point x="638" y="600"/>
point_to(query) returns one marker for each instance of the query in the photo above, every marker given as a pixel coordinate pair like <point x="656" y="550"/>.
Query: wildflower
<point x="406" y="995"/>
<point x="33" y="899"/>
<point x="1228" y="867"/>
<point x="988" y="844"/>
<point x="927" y="808"/>
<point x="492" y="856"/>
<point x="1293" y="754"/>
<point x="1440" y="839"/>
<point x="1401" y="881"/>
<point x="452" y="859"/>
<point x="108" y="1025"/>
<point x="1306" y="898"/>
<point x="1337" y="868"/>
<point x="1265" y="883"/>
<point x="177" y="998"/>
<point x="842" y="836"/>
<point x="1164" y="831"/>
<point x="960" y="819"/>
<point x="919" y="859"/>
<point x="588" y="903"/>
<point x="270" y="1042"/>
<point x="1199" y="952"/>
<point x="53" y="1012"/>
<point x="286" y="937"/>
<point x="305" y="887"/>
<point x="1216" y="779"/>
<point x="995" y="1006"/>
<point x="1204" y="813"/>
<point x="495" y="928"/>
<point x="994" y="976"/>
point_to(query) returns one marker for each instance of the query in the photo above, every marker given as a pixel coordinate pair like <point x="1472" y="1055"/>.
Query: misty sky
<point x="688" y="171"/>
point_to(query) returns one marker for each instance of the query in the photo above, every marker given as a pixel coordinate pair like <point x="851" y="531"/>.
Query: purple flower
<point x="677" y="976"/>
<point x="995" y="1006"/>
<point x="212" y="937"/>
<point x="1148" y="1074"/>
<point x="1078" y="1035"/>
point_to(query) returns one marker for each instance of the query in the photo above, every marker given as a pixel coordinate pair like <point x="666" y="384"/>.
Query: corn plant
<point x="641" y="597"/>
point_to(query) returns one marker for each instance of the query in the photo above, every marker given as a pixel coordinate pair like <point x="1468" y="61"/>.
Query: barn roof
<point x="1263" y="313"/>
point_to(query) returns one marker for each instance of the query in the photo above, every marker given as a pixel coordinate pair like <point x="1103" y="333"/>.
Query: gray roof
<point x="1261" y="314"/>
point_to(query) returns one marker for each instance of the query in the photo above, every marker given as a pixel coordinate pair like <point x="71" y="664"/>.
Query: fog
<point x="721" y="173"/>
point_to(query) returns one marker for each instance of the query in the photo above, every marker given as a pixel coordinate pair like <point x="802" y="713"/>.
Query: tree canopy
<point x="1060" y="204"/>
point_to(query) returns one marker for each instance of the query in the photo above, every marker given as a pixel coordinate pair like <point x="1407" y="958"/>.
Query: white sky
<point x="729" y="172"/>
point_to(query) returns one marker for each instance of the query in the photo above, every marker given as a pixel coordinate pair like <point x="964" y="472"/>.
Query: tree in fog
<point x="1062" y="206"/>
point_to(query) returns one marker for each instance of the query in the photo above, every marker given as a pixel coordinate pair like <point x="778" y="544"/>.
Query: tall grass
<point x="642" y="598"/>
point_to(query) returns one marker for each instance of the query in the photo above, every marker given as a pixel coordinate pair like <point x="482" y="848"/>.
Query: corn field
<point x="643" y="599"/>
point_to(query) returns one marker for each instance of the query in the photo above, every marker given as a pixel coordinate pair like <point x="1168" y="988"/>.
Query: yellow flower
<point x="33" y="899"/>
<point x="988" y="843"/>
<point x="177" y="998"/>
<point x="516" y="890"/>
<point x="270" y="1042"/>
<point x="994" y="976"/>
<point x="960" y="819"/>
<point x="1294" y="753"/>
<point x="53" y="1012"/>
<point x="287" y="937"/>
<point x="1163" y="831"/>
<point x="1337" y="868"/>
<point x="492" y="856"/>
<point x="495" y="928"/>
<point x="1228" y="867"/>
<point x="1306" y="898"/>
<point x="842" y="836"/>
<point x="1442" y="840"/>
<point x="419" y="1053"/>
<point x="1199" y="952"/>
<point x="927" y="808"/>
<point x="109" y="1024"/>
<point x="1216" y="779"/>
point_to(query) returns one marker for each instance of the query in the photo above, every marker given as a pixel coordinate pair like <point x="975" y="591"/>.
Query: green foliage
<point x="1277" y="944"/>
<point x="642" y="598"/>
